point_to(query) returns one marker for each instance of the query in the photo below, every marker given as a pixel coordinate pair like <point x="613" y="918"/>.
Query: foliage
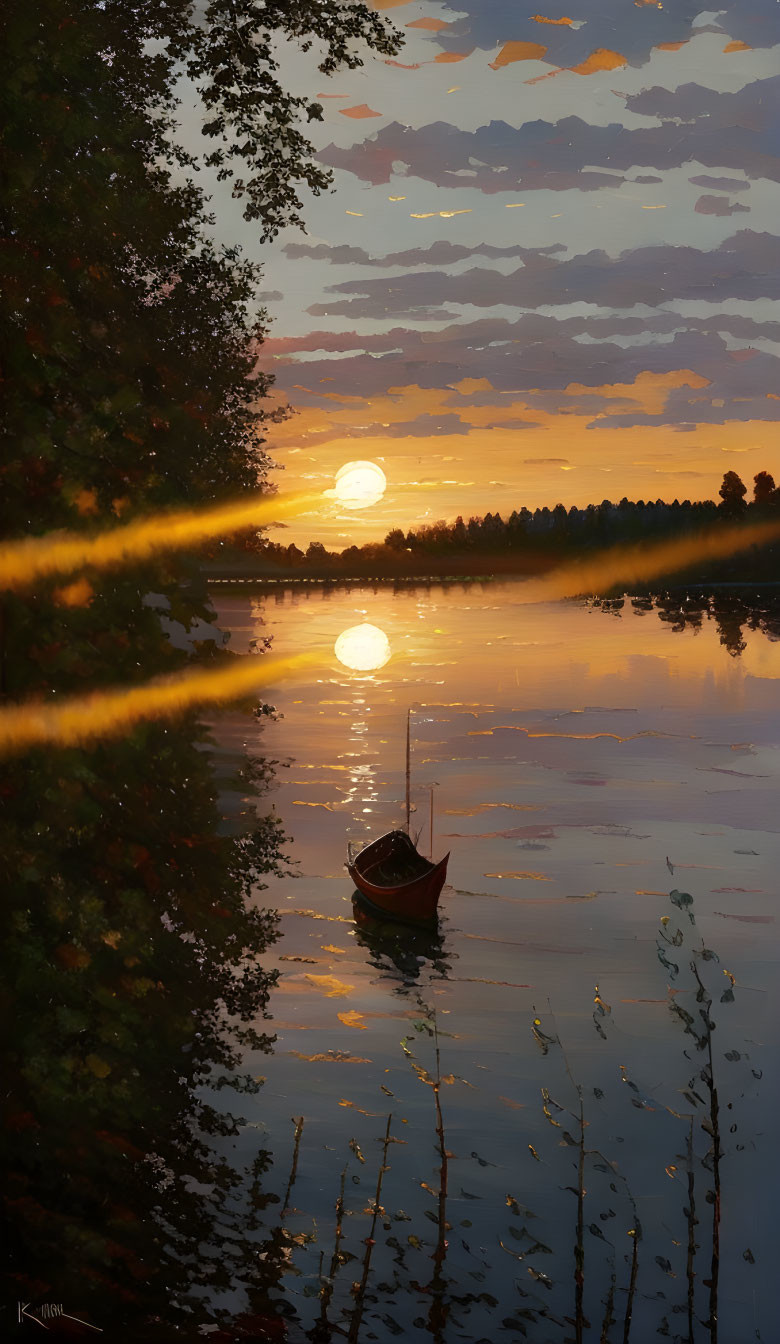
<point x="132" y="936"/>
<point x="732" y="493"/>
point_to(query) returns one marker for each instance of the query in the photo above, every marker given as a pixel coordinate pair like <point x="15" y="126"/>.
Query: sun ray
<point x="104" y="714"/>
<point x="23" y="562"/>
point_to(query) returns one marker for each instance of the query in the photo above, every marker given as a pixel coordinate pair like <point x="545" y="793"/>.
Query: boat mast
<point x="431" y="853"/>
<point x="408" y="770"/>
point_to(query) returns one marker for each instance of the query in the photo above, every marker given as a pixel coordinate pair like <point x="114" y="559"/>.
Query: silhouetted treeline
<point x="525" y="540"/>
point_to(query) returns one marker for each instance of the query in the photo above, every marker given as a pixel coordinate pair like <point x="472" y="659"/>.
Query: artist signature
<point x="41" y="1312"/>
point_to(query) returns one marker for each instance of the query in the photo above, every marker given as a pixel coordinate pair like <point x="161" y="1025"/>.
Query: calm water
<point x="584" y="764"/>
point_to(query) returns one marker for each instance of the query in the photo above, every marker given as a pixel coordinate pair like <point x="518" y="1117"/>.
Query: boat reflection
<point x="402" y="950"/>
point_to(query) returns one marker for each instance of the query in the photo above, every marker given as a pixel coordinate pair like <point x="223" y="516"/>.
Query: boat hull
<point x="412" y="901"/>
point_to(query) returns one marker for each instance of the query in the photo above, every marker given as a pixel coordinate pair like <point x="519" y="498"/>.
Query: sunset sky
<point x="550" y="265"/>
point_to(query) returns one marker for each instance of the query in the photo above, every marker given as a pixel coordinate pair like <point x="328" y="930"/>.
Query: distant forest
<point x="526" y="541"/>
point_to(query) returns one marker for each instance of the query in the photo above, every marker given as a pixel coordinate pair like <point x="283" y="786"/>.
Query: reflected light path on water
<point x="590" y="761"/>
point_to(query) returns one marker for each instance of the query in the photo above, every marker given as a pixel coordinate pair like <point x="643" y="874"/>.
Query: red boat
<point x="394" y="881"/>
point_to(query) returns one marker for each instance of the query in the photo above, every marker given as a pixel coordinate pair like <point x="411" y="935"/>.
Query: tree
<point x="764" y="489"/>
<point x="128" y="935"/>
<point x="395" y="539"/>
<point x="732" y="493"/>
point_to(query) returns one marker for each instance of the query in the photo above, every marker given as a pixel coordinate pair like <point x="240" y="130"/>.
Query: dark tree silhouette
<point x="130" y="935"/>
<point x="764" y="489"/>
<point x="732" y="493"/>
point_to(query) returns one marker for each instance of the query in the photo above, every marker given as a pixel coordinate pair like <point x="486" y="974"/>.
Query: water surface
<point x="584" y="762"/>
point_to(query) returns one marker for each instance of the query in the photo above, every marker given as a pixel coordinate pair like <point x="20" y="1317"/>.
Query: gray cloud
<point x="720" y="130"/>
<point x="630" y="29"/>
<point x="717" y="205"/>
<point x="745" y="266"/>
<point x="440" y="253"/>
<point x="400" y="343"/>
<point x="537" y="356"/>
<point x="730" y="184"/>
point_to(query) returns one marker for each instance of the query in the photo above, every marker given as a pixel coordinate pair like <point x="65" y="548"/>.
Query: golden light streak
<point x="108" y="713"/>
<point x="22" y="562"/>
<point x="636" y="564"/>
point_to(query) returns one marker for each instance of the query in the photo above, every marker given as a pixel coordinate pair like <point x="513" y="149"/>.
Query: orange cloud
<point x="450" y="57"/>
<point x="429" y="25"/>
<point x="518" y="51"/>
<point x="669" y="46"/>
<point x="600" y="59"/>
<point x="649" y="391"/>
<point x="362" y="110"/>
<point x="539" y="18"/>
<point x="737" y="46"/>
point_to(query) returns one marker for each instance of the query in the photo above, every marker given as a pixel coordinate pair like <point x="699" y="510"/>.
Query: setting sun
<point x="363" y="648"/>
<point x="359" y="484"/>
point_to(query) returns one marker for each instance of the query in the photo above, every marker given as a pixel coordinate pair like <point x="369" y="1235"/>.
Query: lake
<point x="585" y="762"/>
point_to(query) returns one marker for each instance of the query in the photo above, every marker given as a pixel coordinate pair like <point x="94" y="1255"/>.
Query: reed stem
<point x="294" y="1168"/>
<point x="360" y="1293"/>
<point x="690" y="1214"/>
<point x="437" y="1315"/>
<point x="579" y="1250"/>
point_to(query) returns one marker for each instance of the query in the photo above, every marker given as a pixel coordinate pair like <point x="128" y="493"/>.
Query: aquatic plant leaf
<point x="542" y="1039"/>
<point x="596" y="1231"/>
<point x="748" y="1255"/>
<point x="732" y="1056"/>
<point x="518" y="1209"/>
<point x="355" y="1147"/>
<point x="683" y="901"/>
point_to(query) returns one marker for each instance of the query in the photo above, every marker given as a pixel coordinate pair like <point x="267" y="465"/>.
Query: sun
<point x="358" y="485"/>
<point x="363" y="648"/>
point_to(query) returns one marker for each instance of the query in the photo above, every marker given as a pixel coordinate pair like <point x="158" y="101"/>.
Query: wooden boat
<point x="392" y="879"/>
